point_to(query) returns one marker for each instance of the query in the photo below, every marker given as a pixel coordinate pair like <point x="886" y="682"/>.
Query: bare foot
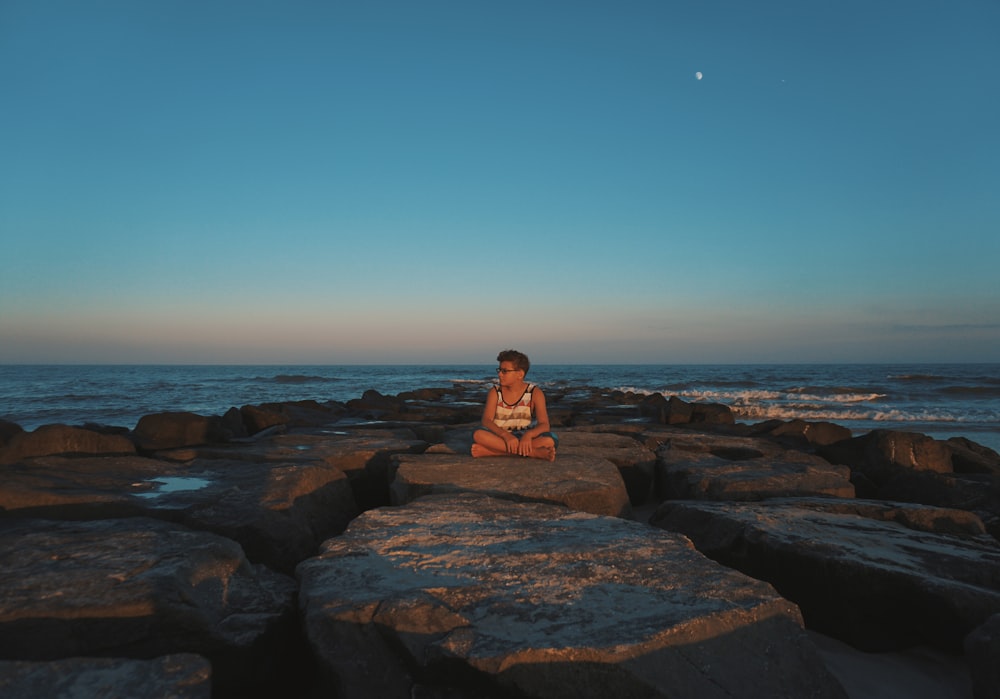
<point x="547" y="453"/>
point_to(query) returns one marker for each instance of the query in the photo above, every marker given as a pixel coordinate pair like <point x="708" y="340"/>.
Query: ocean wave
<point x="299" y="378"/>
<point x="834" y="390"/>
<point x="917" y="377"/>
<point x="971" y="390"/>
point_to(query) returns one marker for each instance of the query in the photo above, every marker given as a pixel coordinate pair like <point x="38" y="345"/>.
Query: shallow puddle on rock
<point x="172" y="484"/>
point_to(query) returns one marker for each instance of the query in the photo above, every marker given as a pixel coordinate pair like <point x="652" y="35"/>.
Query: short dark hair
<point x="518" y="359"/>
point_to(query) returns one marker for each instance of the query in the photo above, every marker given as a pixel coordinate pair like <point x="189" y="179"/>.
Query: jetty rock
<point x="912" y="467"/>
<point x="587" y="484"/>
<point x="279" y="512"/>
<point x="470" y="596"/>
<point x="703" y="466"/>
<point x="140" y="588"/>
<point x="880" y="576"/>
<point x="362" y="454"/>
<point x="179" y="676"/>
<point x="61" y="439"/>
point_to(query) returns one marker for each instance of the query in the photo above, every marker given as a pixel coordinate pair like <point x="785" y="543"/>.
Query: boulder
<point x="305" y="413"/>
<point x="8" y="430"/>
<point x="969" y="457"/>
<point x="882" y="454"/>
<point x="802" y="432"/>
<point x="468" y="596"/>
<point x="636" y="463"/>
<point x="577" y="482"/>
<point x="62" y="439"/>
<point x="179" y="676"/>
<point x="140" y="588"/>
<point x="701" y="466"/>
<point x="279" y="512"/>
<point x="180" y="429"/>
<point x="982" y="648"/>
<point x="362" y="454"/>
<point x="880" y="577"/>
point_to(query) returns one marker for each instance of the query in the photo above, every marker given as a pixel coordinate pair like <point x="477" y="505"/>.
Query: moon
<point x="698" y="75"/>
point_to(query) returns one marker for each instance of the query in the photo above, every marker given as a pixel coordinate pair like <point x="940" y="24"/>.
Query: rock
<point x="580" y="483"/>
<point x="374" y="403"/>
<point x="362" y="454"/>
<point x="468" y="596"/>
<point x="717" y="467"/>
<point x="279" y="512"/>
<point x="62" y="439"/>
<point x="636" y="463"/>
<point x="8" y="430"/>
<point x="711" y="414"/>
<point x="180" y="676"/>
<point x="969" y="457"/>
<point x="882" y="454"/>
<point x="305" y="413"/>
<point x="802" y="433"/>
<point x="179" y="429"/>
<point x="858" y="572"/>
<point x="982" y="648"/>
<point x="140" y="588"/>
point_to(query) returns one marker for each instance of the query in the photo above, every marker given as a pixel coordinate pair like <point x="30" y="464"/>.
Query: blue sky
<point x="429" y="182"/>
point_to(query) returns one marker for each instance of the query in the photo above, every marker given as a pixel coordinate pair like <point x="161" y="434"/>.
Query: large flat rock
<point x="470" y="596"/>
<point x="363" y="454"/>
<point x="138" y="588"/>
<point x="700" y="466"/>
<point x="582" y="483"/>
<point x="635" y="461"/>
<point x="881" y="576"/>
<point x="181" y="676"/>
<point x="279" y="512"/>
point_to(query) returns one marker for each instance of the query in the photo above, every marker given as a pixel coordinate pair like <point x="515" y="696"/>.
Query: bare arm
<point x="489" y="412"/>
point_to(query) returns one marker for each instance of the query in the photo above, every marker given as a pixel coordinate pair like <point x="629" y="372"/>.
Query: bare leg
<point x="488" y="444"/>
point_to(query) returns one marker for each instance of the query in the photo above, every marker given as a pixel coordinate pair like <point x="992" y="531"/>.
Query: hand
<point x="525" y="446"/>
<point x="512" y="443"/>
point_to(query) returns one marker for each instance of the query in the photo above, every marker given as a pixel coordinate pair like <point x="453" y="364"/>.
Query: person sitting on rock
<point x="515" y="420"/>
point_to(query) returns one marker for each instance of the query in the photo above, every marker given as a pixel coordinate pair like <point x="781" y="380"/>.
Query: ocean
<point x="940" y="400"/>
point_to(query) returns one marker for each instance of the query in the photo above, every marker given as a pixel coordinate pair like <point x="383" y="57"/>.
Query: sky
<point x="429" y="182"/>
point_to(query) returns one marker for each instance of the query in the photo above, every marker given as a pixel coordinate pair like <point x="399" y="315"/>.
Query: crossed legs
<point x="485" y="443"/>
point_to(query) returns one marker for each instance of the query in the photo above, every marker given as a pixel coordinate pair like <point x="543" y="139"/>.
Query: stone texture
<point x="702" y="466"/>
<point x="467" y="596"/>
<point x="802" y="432"/>
<point x="580" y="483"/>
<point x="62" y="439"/>
<point x="303" y="413"/>
<point x="180" y="429"/>
<point x="362" y="454"/>
<point x="636" y="463"/>
<point x="180" y="676"/>
<point x="873" y="576"/>
<point x="969" y="457"/>
<point x="279" y="512"/>
<point x="881" y="454"/>
<point x="139" y="588"/>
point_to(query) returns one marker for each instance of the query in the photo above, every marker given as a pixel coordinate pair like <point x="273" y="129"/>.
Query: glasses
<point x="506" y="371"/>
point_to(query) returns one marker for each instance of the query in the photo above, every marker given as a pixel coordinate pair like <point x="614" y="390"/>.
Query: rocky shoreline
<point x="354" y="549"/>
